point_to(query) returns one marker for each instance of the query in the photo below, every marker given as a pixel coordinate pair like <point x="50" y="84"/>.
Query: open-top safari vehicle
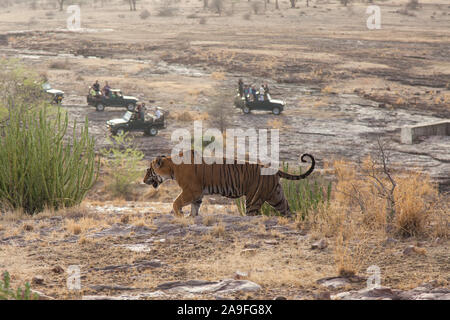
<point x="115" y="99"/>
<point x="56" y="95"/>
<point x="130" y="122"/>
<point x="268" y="104"/>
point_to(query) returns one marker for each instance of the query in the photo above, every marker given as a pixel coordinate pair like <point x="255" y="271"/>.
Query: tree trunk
<point x="293" y="3"/>
<point x="61" y="5"/>
<point x="277" y="7"/>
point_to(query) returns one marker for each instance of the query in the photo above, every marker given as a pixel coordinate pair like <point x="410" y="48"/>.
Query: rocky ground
<point x="345" y="87"/>
<point x="134" y="251"/>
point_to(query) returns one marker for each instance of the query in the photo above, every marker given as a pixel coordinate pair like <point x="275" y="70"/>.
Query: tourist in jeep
<point x="158" y="113"/>
<point x="246" y="92"/>
<point x="241" y="87"/>
<point x="96" y="87"/>
<point x="106" y="90"/>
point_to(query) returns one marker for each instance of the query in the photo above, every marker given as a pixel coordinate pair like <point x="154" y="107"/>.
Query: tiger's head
<point x="159" y="171"/>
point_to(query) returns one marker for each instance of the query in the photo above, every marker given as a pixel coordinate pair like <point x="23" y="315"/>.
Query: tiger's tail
<point x="288" y="176"/>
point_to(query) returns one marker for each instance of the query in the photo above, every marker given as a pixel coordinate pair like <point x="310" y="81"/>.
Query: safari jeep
<point x="115" y="99"/>
<point x="269" y="104"/>
<point x="56" y="95"/>
<point x="129" y="122"/>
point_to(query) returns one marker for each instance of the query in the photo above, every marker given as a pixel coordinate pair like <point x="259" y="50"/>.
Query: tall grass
<point x="302" y="195"/>
<point x="38" y="169"/>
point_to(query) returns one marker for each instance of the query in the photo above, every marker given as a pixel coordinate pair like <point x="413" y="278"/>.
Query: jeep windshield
<point x="127" y="116"/>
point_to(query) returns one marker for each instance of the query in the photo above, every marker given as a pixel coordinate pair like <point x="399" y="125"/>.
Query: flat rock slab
<point x="122" y="230"/>
<point x="226" y="286"/>
<point x="137" y="296"/>
<point x="384" y="293"/>
<point x="334" y="282"/>
<point x="138" y="265"/>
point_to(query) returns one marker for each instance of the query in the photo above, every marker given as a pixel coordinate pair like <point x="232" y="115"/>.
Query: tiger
<point x="229" y="180"/>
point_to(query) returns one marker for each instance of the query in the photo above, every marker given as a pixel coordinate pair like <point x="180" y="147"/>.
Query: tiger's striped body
<point x="229" y="180"/>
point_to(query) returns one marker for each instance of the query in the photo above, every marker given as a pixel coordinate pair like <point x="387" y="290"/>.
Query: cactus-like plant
<point x="40" y="166"/>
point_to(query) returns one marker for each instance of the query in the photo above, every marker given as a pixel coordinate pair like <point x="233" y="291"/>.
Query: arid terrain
<point x="346" y="88"/>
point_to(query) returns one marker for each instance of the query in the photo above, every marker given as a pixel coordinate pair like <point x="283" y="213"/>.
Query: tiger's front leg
<point x="183" y="199"/>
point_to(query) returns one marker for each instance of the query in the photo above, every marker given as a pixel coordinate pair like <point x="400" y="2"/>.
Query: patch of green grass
<point x="7" y="293"/>
<point x="303" y="196"/>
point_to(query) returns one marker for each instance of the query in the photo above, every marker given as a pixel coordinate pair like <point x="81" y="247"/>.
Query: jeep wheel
<point x="100" y="107"/>
<point x="131" y="107"/>
<point x="152" y="131"/>
<point x="276" y="111"/>
<point x="246" y="110"/>
<point x="120" y="132"/>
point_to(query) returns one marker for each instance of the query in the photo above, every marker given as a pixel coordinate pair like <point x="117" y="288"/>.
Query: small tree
<point x="132" y="5"/>
<point x="61" y="5"/>
<point x="218" y="5"/>
<point x="123" y="164"/>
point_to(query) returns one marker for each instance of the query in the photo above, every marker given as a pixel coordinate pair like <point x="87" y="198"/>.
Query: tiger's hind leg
<point x="195" y="206"/>
<point x="253" y="206"/>
<point x="279" y="202"/>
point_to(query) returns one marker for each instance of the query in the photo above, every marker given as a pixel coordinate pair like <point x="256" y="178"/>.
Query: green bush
<point x="6" y="293"/>
<point x="39" y="165"/>
<point x="20" y="88"/>
<point x="38" y="169"/>
<point x="123" y="165"/>
<point x="302" y="195"/>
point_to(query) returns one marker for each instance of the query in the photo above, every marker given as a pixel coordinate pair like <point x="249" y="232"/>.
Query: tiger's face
<point x="158" y="172"/>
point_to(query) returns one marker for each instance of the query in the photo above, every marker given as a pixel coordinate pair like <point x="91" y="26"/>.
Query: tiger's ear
<point x="159" y="162"/>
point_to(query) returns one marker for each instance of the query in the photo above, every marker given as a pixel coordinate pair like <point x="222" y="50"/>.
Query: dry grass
<point x="60" y="65"/>
<point x="218" y="230"/>
<point x="188" y="116"/>
<point x="217" y="75"/>
<point x="416" y="199"/>
<point x="209" y="220"/>
<point x="81" y="225"/>
<point x="276" y="123"/>
<point x="184" y="220"/>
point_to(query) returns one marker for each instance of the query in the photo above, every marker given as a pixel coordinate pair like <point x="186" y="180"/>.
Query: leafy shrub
<point x="38" y="168"/>
<point x="167" y="11"/>
<point x="6" y="293"/>
<point x="61" y="65"/>
<point x="39" y="165"/>
<point x="413" y="5"/>
<point x="192" y="16"/>
<point x="123" y="165"/>
<point x="144" y="14"/>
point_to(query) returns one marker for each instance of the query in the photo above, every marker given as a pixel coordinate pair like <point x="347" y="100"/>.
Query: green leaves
<point x="7" y="293"/>
<point x="123" y="164"/>
<point x="40" y="166"/>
